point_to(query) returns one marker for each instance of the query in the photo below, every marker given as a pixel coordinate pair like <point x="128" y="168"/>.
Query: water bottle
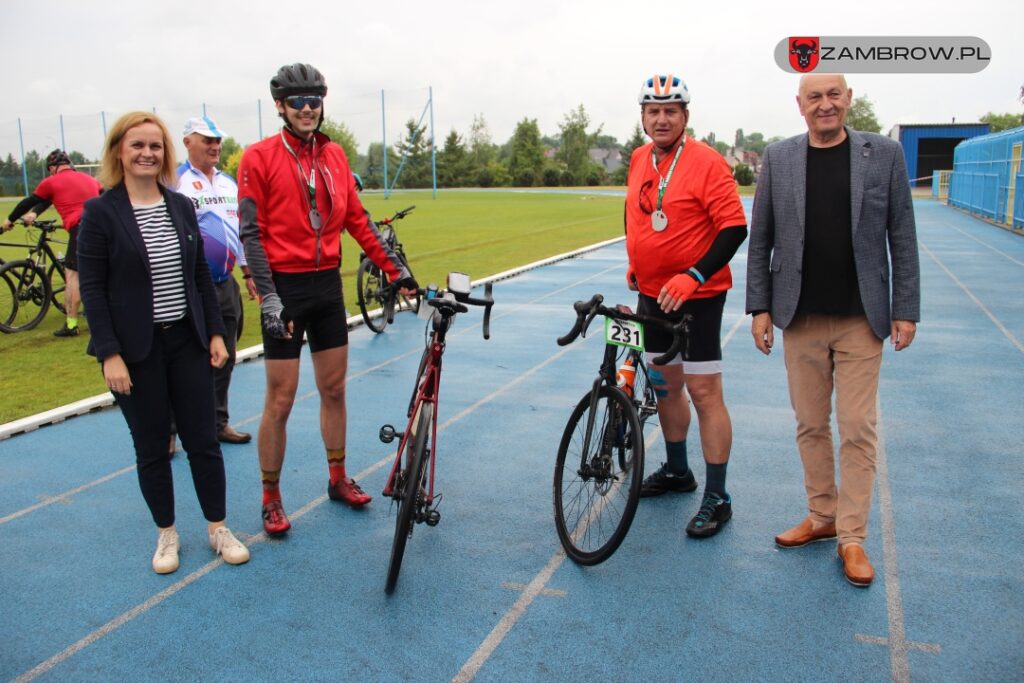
<point x="626" y="375"/>
<point x="426" y="311"/>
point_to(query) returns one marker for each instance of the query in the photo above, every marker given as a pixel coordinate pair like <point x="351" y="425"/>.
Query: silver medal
<point x="659" y="221"/>
<point x="314" y="219"/>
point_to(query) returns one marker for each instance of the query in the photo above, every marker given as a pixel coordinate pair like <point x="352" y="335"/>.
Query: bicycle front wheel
<point x="25" y="302"/>
<point x="597" y="479"/>
<point x="55" y="276"/>
<point x="371" y="284"/>
<point x="411" y="491"/>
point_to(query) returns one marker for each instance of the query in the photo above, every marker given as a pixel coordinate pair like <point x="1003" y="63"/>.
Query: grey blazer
<point x="883" y="230"/>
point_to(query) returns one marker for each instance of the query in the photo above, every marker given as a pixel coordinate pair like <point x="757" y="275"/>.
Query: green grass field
<point x="480" y="233"/>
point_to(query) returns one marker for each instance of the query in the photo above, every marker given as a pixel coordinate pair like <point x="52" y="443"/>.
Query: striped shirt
<point x="164" y="252"/>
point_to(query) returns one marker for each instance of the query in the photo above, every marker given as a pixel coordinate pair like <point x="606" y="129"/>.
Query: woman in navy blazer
<point x="155" y="324"/>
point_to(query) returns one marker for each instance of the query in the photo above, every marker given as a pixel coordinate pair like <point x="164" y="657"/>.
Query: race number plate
<point x="626" y="333"/>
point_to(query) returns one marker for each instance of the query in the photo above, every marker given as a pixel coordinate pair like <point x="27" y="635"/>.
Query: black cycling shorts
<point x="313" y="301"/>
<point x="704" y="349"/>
<point x="71" y="256"/>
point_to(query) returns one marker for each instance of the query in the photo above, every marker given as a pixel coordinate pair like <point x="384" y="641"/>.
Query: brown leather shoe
<point x="856" y="566"/>
<point x="804" y="533"/>
<point x="229" y="435"/>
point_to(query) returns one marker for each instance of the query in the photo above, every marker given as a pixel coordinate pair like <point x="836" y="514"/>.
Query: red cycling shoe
<point x="347" y="491"/>
<point x="275" y="522"/>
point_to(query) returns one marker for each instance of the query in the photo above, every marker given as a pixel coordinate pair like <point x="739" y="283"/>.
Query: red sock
<point x="336" y="464"/>
<point x="271" y="491"/>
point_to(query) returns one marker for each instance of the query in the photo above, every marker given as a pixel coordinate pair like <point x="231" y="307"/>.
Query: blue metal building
<point x="928" y="147"/>
<point x="987" y="177"/>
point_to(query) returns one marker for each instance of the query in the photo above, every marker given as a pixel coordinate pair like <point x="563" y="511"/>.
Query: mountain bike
<point x="410" y="483"/>
<point x="600" y="464"/>
<point x="29" y="286"/>
<point x="373" y="288"/>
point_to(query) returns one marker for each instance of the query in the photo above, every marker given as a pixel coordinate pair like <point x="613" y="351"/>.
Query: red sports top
<point x="700" y="200"/>
<point x="68" y="190"/>
<point x="269" y="176"/>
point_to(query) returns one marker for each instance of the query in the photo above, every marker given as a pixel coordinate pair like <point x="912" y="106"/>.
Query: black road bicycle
<point x="373" y="287"/>
<point x="600" y="463"/>
<point x="28" y="286"/>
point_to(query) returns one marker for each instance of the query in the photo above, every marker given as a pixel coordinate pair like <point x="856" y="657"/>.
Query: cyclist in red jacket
<point x="296" y="195"/>
<point x="68" y="189"/>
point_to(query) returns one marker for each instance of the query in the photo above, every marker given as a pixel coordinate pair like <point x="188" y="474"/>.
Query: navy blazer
<point x="883" y="229"/>
<point x="116" y="280"/>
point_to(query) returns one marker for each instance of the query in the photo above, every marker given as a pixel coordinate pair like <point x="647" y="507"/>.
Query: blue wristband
<point x="696" y="275"/>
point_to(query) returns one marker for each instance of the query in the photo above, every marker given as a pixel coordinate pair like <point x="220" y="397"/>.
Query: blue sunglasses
<point x="299" y="102"/>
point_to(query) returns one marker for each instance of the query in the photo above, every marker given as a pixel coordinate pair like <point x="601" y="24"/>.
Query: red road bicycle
<point x="411" y="481"/>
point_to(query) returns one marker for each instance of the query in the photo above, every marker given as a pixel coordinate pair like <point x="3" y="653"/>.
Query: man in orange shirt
<point x="684" y="222"/>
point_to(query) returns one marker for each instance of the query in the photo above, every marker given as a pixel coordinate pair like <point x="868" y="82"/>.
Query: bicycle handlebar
<point x="398" y="216"/>
<point x="47" y="226"/>
<point x="449" y="307"/>
<point x="586" y="311"/>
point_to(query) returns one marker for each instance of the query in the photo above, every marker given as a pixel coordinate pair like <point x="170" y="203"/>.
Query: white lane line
<point x="1002" y="328"/>
<point x="67" y="494"/>
<point x="984" y="243"/>
<point x="897" y="642"/>
<point x="136" y="611"/>
<point x="538" y="586"/>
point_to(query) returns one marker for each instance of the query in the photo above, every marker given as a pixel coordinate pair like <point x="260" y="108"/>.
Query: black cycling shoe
<point x="714" y="512"/>
<point x="66" y="331"/>
<point x="663" y="481"/>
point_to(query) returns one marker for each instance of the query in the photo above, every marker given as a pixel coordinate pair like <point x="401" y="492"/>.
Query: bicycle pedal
<point x="433" y="517"/>
<point x="388" y="434"/>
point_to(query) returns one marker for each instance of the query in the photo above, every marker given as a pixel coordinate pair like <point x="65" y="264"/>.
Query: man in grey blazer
<point x="831" y="212"/>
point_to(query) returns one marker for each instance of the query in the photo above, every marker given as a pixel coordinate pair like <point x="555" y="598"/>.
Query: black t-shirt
<point x="829" y="276"/>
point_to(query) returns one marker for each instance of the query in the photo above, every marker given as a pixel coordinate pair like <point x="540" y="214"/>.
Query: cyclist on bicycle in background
<point x="68" y="190"/>
<point x="684" y="222"/>
<point x="296" y="194"/>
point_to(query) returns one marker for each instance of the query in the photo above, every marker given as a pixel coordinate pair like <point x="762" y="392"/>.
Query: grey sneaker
<point x="663" y="481"/>
<point x="227" y="546"/>
<point x="165" y="560"/>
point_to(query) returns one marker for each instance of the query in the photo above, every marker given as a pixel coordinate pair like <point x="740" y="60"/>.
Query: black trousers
<point x="176" y="375"/>
<point x="230" y="302"/>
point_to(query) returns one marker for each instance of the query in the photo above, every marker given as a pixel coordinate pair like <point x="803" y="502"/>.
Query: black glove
<point x="407" y="283"/>
<point x="273" y="318"/>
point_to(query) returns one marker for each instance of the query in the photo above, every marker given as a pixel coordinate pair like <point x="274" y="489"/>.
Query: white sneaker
<point x="165" y="560"/>
<point x="227" y="546"/>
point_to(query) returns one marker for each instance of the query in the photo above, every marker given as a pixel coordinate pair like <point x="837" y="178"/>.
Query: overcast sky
<point x="504" y="60"/>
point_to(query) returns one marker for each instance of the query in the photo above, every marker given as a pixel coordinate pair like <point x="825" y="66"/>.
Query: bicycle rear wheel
<point x="371" y="285"/>
<point x="25" y="303"/>
<point x="55" y="277"/>
<point x="412" y="485"/>
<point x="597" y="486"/>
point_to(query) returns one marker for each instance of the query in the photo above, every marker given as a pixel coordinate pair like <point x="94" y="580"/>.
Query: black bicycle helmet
<point x="297" y="79"/>
<point x="57" y="157"/>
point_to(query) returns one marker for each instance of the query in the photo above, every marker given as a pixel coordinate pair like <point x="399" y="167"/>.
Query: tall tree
<point x="453" y="162"/>
<point x="576" y="144"/>
<point x="998" y="122"/>
<point x="373" y="170"/>
<point x="636" y="139"/>
<point x="739" y="139"/>
<point x="481" y="150"/>
<point x="340" y="133"/>
<point x="415" y="148"/>
<point x="526" y="154"/>
<point x="861" y="115"/>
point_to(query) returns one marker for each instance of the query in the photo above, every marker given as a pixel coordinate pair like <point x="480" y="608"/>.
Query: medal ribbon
<point x="311" y="183"/>
<point x="663" y="181"/>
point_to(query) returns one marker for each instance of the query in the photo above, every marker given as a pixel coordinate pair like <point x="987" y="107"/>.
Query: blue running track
<point x="488" y="595"/>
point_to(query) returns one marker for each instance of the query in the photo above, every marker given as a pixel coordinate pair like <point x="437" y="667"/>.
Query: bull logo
<point x="803" y="54"/>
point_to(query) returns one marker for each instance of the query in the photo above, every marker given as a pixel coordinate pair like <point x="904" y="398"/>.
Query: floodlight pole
<point x="21" y="144"/>
<point x="63" y="145"/>
<point x="433" y="147"/>
<point x="259" y="118"/>
<point x="384" y="141"/>
<point x="103" y="122"/>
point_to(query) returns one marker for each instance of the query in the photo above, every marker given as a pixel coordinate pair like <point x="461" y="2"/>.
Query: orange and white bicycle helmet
<point x="663" y="89"/>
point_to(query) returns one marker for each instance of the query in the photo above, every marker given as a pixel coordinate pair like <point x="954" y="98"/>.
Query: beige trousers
<point x="823" y="352"/>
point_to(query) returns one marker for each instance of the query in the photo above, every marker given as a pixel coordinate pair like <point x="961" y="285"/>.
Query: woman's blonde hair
<point x="111" y="172"/>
